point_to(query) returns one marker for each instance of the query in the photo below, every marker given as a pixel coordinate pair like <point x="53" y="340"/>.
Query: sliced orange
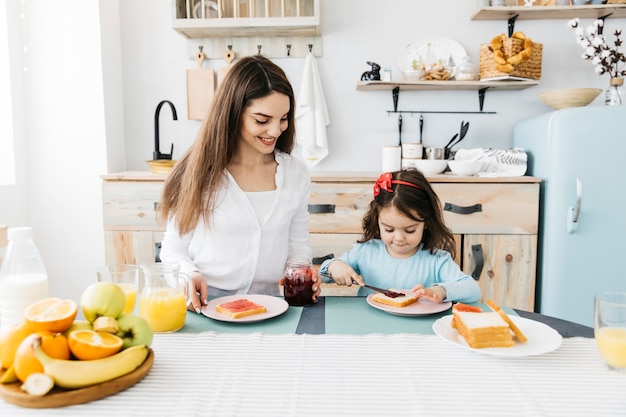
<point x="54" y="344"/>
<point x="89" y="344"/>
<point x="51" y="314"/>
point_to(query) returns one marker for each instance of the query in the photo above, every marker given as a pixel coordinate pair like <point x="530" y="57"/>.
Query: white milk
<point x="18" y="292"/>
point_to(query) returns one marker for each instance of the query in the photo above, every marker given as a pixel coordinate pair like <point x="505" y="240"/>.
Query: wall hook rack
<point x="602" y="18"/>
<point x="511" y="24"/>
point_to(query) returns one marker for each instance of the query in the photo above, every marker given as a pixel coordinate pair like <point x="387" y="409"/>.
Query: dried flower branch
<point x="606" y="60"/>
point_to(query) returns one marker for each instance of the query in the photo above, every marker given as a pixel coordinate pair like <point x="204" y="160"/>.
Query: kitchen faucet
<point x="157" y="153"/>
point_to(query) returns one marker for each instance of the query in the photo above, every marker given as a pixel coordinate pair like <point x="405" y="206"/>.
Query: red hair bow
<point x="384" y="183"/>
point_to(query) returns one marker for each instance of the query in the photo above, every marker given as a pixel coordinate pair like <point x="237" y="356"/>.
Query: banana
<point x="79" y="374"/>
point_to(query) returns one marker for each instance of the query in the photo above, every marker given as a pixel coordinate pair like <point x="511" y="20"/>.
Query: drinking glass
<point x="124" y="275"/>
<point x="610" y="328"/>
<point x="165" y="295"/>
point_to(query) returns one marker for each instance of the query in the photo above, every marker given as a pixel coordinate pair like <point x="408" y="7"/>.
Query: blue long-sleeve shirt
<point x="372" y="261"/>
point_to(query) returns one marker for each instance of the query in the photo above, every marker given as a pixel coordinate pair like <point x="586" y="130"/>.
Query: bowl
<point x="570" y="97"/>
<point x="465" y="167"/>
<point x="430" y="166"/>
<point x="161" y="166"/>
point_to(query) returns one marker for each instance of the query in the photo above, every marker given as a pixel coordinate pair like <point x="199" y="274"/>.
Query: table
<point x="274" y="369"/>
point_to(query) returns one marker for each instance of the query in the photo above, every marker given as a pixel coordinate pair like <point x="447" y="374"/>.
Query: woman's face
<point x="263" y="121"/>
<point x="401" y="234"/>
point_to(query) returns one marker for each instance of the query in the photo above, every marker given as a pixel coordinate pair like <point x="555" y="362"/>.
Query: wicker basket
<point x="511" y="46"/>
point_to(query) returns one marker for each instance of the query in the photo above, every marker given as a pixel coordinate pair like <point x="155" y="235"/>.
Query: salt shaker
<point x="23" y="277"/>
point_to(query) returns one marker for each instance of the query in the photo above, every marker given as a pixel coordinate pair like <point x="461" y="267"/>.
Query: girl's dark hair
<point x="420" y="204"/>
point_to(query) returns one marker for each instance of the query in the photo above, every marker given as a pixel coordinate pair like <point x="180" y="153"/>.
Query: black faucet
<point x="157" y="153"/>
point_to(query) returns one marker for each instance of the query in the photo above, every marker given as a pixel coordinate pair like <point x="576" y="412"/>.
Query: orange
<point x="51" y="314"/>
<point x="89" y="344"/>
<point x="10" y="339"/>
<point x="54" y="344"/>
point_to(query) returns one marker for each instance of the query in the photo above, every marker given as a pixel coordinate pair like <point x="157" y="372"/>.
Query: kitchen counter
<point x="336" y="176"/>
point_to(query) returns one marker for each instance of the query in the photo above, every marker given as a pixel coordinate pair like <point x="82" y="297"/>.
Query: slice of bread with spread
<point x="401" y="301"/>
<point x="239" y="308"/>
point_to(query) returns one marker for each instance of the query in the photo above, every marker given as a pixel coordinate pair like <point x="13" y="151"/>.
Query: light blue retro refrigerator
<point x="580" y="155"/>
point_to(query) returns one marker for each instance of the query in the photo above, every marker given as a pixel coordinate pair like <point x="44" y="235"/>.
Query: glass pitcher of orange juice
<point x="165" y="295"/>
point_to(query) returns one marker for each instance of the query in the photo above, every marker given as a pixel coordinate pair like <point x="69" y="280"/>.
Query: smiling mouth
<point x="267" y="141"/>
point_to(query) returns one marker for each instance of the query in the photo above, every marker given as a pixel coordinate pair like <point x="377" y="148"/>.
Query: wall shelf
<point x="550" y="12"/>
<point x="480" y="86"/>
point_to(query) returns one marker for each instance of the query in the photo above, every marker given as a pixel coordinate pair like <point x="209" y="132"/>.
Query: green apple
<point x="78" y="325"/>
<point x="134" y="330"/>
<point x="102" y="299"/>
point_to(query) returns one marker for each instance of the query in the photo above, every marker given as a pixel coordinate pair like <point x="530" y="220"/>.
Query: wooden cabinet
<point x="495" y="222"/>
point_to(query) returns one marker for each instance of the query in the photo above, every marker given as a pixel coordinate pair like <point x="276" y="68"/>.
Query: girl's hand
<point x="435" y="293"/>
<point x="200" y="286"/>
<point x="343" y="274"/>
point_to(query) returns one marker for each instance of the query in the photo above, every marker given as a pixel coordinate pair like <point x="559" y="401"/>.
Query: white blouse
<point x="237" y="253"/>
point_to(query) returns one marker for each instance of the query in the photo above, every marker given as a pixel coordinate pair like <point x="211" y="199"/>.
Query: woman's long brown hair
<point x="189" y="192"/>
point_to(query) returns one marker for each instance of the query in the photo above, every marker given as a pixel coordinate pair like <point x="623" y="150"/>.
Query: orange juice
<point x="130" y="291"/>
<point x="611" y="343"/>
<point x="164" y="308"/>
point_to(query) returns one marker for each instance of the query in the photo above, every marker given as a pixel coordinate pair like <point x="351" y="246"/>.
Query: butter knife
<point x="388" y="293"/>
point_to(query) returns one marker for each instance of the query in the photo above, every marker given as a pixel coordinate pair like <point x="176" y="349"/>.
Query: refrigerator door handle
<point x="574" y="212"/>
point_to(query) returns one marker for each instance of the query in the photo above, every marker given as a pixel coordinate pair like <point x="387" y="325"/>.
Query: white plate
<point x="275" y="307"/>
<point x="541" y="338"/>
<point x="420" y="308"/>
<point x="439" y="48"/>
<point x="210" y="10"/>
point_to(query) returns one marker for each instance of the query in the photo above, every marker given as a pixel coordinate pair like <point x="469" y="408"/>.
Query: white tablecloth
<point x="209" y="374"/>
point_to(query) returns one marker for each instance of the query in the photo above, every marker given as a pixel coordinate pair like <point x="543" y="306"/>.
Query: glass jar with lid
<point x="466" y="71"/>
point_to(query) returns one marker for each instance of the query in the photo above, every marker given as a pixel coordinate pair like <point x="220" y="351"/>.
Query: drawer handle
<point x="477" y="250"/>
<point x="321" y="208"/>
<point x="321" y="259"/>
<point x="463" y="210"/>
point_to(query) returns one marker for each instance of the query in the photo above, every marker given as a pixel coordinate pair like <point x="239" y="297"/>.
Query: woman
<point x="236" y="202"/>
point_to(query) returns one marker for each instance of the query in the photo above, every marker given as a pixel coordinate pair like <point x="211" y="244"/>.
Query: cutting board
<point x="60" y="397"/>
<point x="229" y="56"/>
<point x="200" y="88"/>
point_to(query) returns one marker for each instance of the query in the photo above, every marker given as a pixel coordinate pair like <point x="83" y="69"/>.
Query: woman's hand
<point x="316" y="287"/>
<point x="435" y="293"/>
<point x="343" y="274"/>
<point x="199" y="285"/>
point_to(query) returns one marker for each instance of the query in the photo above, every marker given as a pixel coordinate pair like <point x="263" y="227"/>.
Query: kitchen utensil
<point x="462" y="132"/>
<point x="421" y="126"/>
<point x="200" y="87"/>
<point x="435" y="153"/>
<point x="388" y="293"/>
<point x="229" y="56"/>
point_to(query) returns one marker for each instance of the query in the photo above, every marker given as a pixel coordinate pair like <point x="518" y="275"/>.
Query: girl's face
<point x="401" y="234"/>
<point x="263" y="121"/>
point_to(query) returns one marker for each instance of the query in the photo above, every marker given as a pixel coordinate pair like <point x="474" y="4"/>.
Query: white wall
<point x="86" y="105"/>
<point x="353" y="32"/>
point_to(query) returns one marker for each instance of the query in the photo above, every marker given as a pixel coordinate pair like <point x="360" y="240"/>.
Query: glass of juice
<point x="165" y="295"/>
<point x="124" y="275"/>
<point x="610" y="328"/>
<point x="298" y="282"/>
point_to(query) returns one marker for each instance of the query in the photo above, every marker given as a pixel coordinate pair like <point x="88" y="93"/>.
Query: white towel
<point x="311" y="115"/>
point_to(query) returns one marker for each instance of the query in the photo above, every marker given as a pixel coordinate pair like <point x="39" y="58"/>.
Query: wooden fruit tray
<point x="60" y="397"/>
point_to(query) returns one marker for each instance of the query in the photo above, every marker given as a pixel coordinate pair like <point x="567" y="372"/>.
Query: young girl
<point x="405" y="244"/>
